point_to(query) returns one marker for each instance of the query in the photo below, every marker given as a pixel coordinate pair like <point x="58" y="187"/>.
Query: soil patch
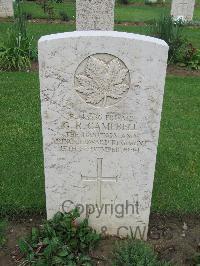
<point x="51" y="21"/>
<point x="15" y="231"/>
<point x="72" y="22"/>
<point x="183" y="72"/>
<point x="6" y="20"/>
<point x="34" y="67"/>
<point x="174" y="238"/>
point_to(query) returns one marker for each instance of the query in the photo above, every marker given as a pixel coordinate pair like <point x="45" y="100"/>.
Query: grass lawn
<point x="145" y="13"/>
<point x="22" y="180"/>
<point x="21" y="163"/>
<point x="177" y="183"/>
<point x="136" y="11"/>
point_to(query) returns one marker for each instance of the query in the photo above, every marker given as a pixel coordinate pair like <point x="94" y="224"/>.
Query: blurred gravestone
<point x="95" y="14"/>
<point x="183" y="9"/>
<point x="6" y="8"/>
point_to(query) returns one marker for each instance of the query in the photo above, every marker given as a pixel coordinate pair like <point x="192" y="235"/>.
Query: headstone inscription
<point x="6" y="8"/>
<point x="95" y="14"/>
<point x="183" y="9"/>
<point x="101" y="110"/>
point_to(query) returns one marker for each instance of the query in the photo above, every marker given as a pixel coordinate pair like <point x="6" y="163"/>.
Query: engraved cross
<point x="99" y="178"/>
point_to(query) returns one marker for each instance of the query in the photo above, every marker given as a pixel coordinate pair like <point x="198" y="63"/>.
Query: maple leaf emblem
<point x="102" y="81"/>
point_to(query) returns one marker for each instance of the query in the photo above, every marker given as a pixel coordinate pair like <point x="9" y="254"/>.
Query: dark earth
<point x="174" y="238"/>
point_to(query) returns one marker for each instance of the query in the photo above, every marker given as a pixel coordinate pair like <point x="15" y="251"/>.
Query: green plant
<point x="123" y="2"/>
<point x="195" y="261"/>
<point x="192" y="57"/>
<point x="50" y="10"/>
<point x="189" y="56"/>
<point x="63" y="15"/>
<point x="135" y="252"/>
<point x="27" y="15"/>
<point x="60" y="241"/>
<point x="16" y="51"/>
<point x="47" y="6"/>
<point x="172" y="33"/>
<point x="3" y="225"/>
<point x="43" y="4"/>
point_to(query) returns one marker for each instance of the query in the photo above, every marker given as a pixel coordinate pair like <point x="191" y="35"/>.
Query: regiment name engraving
<point x="108" y="132"/>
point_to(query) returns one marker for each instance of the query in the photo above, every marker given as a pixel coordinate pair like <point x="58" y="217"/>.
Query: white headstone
<point x="95" y="14"/>
<point x="183" y="9"/>
<point x="6" y="8"/>
<point x="101" y="95"/>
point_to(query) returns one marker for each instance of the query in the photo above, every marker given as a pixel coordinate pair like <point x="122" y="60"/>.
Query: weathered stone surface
<point x="183" y="9"/>
<point x="95" y="14"/>
<point x="101" y="95"/>
<point x="6" y="8"/>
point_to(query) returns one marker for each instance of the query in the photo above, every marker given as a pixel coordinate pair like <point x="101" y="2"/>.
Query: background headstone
<point x="101" y="96"/>
<point x="6" y="8"/>
<point x="95" y="14"/>
<point x="183" y="9"/>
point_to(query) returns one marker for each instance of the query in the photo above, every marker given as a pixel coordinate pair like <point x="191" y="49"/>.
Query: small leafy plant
<point x="60" y="241"/>
<point x="192" y="57"/>
<point x="195" y="260"/>
<point x="189" y="56"/>
<point x="16" y="51"/>
<point x="135" y="252"/>
<point x="63" y="15"/>
<point x="28" y="15"/>
<point x="172" y="33"/>
<point x="48" y="7"/>
<point x="123" y="2"/>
